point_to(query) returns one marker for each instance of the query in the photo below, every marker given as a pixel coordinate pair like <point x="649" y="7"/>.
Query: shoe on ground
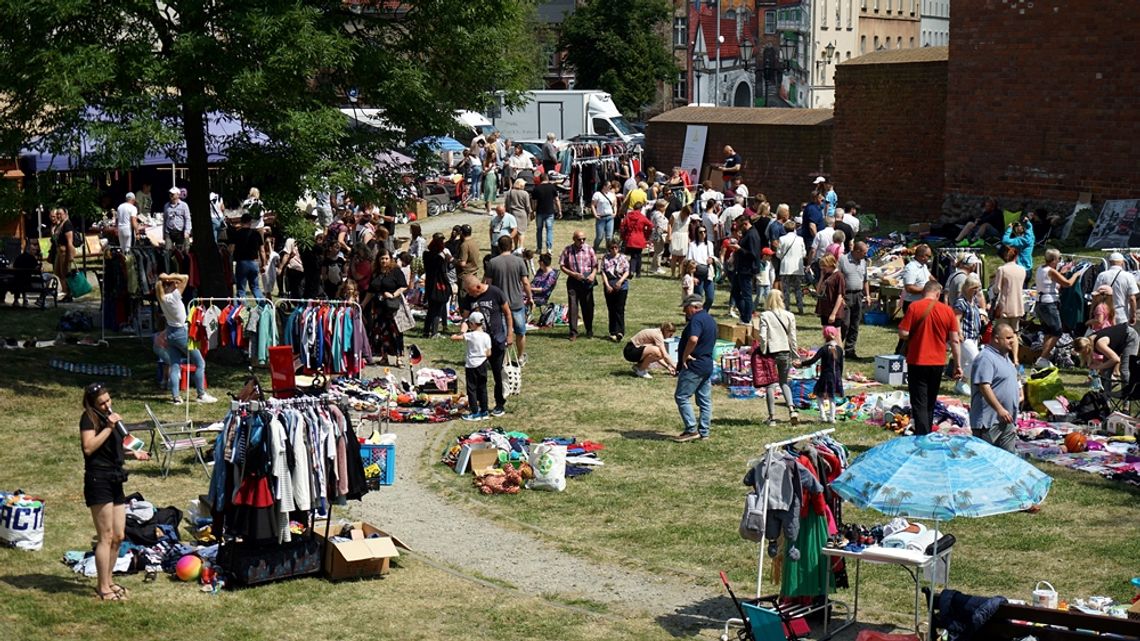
<point x="733" y="313"/>
<point x="1042" y="363"/>
<point x="522" y="359"/>
<point x="795" y="418"/>
<point x="686" y="437"/>
<point x="498" y="411"/>
<point x="206" y="398"/>
<point x="965" y="242"/>
<point x="620" y="336"/>
<point x="641" y="373"/>
<point x="473" y="416"/>
<point x="177" y="400"/>
<point x="772" y="422"/>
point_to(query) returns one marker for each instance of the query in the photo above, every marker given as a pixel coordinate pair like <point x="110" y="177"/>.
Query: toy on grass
<point x="188" y="568"/>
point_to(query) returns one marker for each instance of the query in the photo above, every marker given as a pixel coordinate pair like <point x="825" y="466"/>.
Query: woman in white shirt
<point x="604" y="204"/>
<point x="702" y="252"/>
<point x="790" y="252"/>
<point x="678" y="239"/>
<point x="777" y="338"/>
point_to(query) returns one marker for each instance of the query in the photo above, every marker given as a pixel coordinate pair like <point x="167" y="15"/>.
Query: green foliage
<point x="619" y="46"/>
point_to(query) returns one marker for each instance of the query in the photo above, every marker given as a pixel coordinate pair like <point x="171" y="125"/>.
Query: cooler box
<point x="890" y="370"/>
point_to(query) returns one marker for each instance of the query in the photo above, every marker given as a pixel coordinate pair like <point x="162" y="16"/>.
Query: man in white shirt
<point x="790" y="252"/>
<point x="915" y="276"/>
<point x="739" y="189"/>
<point x="1124" y="288"/>
<point x="730" y="213"/>
<point x="127" y="221"/>
<point x="850" y="215"/>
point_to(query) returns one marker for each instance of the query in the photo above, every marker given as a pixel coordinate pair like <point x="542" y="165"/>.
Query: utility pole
<point x="719" y="39"/>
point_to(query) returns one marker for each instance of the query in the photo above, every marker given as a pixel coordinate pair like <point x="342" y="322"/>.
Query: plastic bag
<point x="549" y="463"/>
<point x="1044" y="385"/>
<point x="77" y="284"/>
<point x="21" y="521"/>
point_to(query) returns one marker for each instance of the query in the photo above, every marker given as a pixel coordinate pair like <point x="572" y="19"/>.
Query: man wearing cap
<point x="127" y="221"/>
<point x="746" y="264"/>
<point x="830" y="199"/>
<point x="694" y="370"/>
<point x="813" y="221"/>
<point x="857" y="294"/>
<point x="1124" y="288"/>
<point x="176" y="221"/>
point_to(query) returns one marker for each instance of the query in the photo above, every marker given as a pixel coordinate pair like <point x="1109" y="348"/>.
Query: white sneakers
<point x="640" y="373"/>
<point x="206" y="398"/>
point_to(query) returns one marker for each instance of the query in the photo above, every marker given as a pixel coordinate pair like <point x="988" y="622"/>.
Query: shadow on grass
<point x="735" y="422"/>
<point x="47" y="583"/>
<point x="645" y="435"/>
<point x="691" y="620"/>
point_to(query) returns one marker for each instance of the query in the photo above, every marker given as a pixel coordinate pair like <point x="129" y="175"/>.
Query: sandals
<point x="119" y="590"/>
<point x="113" y="595"/>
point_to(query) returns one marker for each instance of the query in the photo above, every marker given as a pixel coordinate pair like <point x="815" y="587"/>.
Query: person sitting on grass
<point x="478" y="344"/>
<point x="648" y="347"/>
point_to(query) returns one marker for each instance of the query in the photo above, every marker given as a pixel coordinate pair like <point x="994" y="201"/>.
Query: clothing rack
<point x="768" y="449"/>
<point x="957" y="252"/>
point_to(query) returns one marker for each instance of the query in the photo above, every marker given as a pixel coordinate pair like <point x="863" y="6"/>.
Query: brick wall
<point x="1044" y="102"/>
<point x="780" y="161"/>
<point x="889" y="137"/>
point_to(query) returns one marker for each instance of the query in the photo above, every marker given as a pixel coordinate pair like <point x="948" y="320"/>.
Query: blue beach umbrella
<point x="440" y="143"/>
<point x="940" y="477"/>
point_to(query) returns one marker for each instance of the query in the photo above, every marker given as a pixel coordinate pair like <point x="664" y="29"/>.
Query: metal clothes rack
<point x="828" y="604"/>
<point x="147" y="301"/>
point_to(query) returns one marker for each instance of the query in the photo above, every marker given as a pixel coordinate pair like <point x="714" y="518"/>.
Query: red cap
<point x="767" y="251"/>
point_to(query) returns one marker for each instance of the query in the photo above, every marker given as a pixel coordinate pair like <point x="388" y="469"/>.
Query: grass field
<point x="656" y="505"/>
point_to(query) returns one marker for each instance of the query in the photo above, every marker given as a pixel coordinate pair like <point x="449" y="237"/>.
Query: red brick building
<point x="1042" y="102"/>
<point x="783" y="149"/>
<point x="890" y="131"/>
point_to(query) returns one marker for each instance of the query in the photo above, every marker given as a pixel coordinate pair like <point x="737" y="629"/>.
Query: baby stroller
<point x="441" y="197"/>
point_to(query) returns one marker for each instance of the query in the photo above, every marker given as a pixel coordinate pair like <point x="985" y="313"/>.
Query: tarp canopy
<point x="221" y="131"/>
<point x="440" y="143"/>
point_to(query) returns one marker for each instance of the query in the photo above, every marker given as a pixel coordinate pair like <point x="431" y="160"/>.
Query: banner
<point x="693" y="153"/>
<point x="1116" y="226"/>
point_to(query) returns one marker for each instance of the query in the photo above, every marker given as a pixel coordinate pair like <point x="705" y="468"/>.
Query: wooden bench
<point x="1019" y="621"/>
<point x="21" y="282"/>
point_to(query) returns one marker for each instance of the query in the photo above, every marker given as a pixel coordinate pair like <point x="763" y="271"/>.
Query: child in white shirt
<point x="478" y="350"/>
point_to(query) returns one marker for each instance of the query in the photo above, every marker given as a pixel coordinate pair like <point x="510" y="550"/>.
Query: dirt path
<point x="475" y="545"/>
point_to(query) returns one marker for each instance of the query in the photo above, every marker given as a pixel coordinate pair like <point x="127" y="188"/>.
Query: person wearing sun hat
<point x="695" y="369"/>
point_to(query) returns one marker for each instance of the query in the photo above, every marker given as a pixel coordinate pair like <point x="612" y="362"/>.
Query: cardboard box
<point x="890" y="370"/>
<point x="463" y="461"/>
<point x="481" y="460"/>
<point x="368" y="553"/>
<point x="421" y="210"/>
<point x="735" y="333"/>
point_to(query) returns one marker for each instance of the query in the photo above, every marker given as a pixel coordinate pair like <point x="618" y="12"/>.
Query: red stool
<point x="188" y="369"/>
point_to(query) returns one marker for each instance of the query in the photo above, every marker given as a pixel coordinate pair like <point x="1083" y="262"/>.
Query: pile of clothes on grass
<point x="505" y="462"/>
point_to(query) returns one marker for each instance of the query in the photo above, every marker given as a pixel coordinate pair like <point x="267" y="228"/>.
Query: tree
<point x="135" y="76"/>
<point x="620" y="46"/>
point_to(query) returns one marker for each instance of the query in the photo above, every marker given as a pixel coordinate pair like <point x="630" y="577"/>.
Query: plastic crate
<point x="383" y="456"/>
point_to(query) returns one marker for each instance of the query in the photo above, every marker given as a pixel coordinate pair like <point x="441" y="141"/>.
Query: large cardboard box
<point x="368" y="553"/>
<point x="421" y="210"/>
<point x="890" y="370"/>
<point x="736" y="333"/>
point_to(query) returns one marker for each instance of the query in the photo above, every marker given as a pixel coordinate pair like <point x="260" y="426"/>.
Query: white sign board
<point x="693" y="153"/>
<point x="1115" y="225"/>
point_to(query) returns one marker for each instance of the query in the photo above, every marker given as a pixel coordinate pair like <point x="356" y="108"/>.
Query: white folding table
<point x="911" y="561"/>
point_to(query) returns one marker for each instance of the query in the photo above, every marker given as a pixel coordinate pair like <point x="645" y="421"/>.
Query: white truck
<point x="566" y="113"/>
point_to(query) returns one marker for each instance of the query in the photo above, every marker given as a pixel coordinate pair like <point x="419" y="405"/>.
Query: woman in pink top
<point x="836" y="246"/>
<point x="1103" y="306"/>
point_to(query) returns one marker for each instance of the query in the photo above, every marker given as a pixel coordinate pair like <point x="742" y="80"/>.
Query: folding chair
<point x="1122" y="401"/>
<point x="175" y="437"/>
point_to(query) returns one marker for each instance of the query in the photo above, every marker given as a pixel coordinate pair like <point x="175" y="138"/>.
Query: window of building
<point x="681" y="87"/>
<point x="898" y="43"/>
<point x="890" y="5"/>
<point x="876" y="43"/>
<point x="680" y="32"/>
<point x="848" y="55"/>
<point x="862" y="45"/>
<point x="850" y="10"/>
<point x="912" y="42"/>
<point x="823" y="16"/>
<point x="770" y="22"/>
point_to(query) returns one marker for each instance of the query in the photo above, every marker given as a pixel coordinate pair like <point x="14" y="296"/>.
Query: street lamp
<point x="746" y="58"/>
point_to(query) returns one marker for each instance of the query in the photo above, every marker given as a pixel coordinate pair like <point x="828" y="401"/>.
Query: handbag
<point x="764" y="372"/>
<point x="512" y="373"/>
<point x="77" y="284"/>
<point x="755" y="515"/>
<point x="404" y="320"/>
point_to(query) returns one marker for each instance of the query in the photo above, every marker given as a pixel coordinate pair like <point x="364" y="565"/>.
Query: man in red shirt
<point x="928" y="326"/>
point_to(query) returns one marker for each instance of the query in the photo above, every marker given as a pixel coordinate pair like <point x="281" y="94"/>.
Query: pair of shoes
<point x="965" y="242"/>
<point x="613" y="338"/>
<point x="206" y="398"/>
<point x="978" y="242"/>
<point x="685" y="437"/>
<point x="590" y="334"/>
<point x="641" y="373"/>
<point x="474" y="416"/>
<point x="573" y="337"/>
<point x="1042" y="363"/>
<point x="850" y="355"/>
<point x="177" y="400"/>
<point x="620" y="336"/>
<point x="110" y="596"/>
<point x="771" y="421"/>
<point x="498" y="411"/>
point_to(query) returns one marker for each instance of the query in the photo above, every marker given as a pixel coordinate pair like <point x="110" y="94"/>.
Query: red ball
<point x="412" y="216"/>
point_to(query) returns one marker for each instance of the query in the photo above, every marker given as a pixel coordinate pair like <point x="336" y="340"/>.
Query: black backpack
<point x="1093" y="405"/>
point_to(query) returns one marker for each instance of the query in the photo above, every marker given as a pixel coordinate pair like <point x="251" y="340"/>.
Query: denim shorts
<point x="1050" y="316"/>
<point x="519" y="316"/>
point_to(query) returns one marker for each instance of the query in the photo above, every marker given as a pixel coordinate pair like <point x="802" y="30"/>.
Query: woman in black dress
<point x="382" y="301"/>
<point x="62" y="251"/>
<point x="103" y="478"/>
<point x="829" y="384"/>
<point x="437" y="287"/>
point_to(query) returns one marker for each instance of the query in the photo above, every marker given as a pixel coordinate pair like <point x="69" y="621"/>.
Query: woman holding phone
<point x="101" y="434"/>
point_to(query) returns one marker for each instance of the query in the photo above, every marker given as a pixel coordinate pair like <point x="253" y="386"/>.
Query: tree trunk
<point x="205" y="248"/>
